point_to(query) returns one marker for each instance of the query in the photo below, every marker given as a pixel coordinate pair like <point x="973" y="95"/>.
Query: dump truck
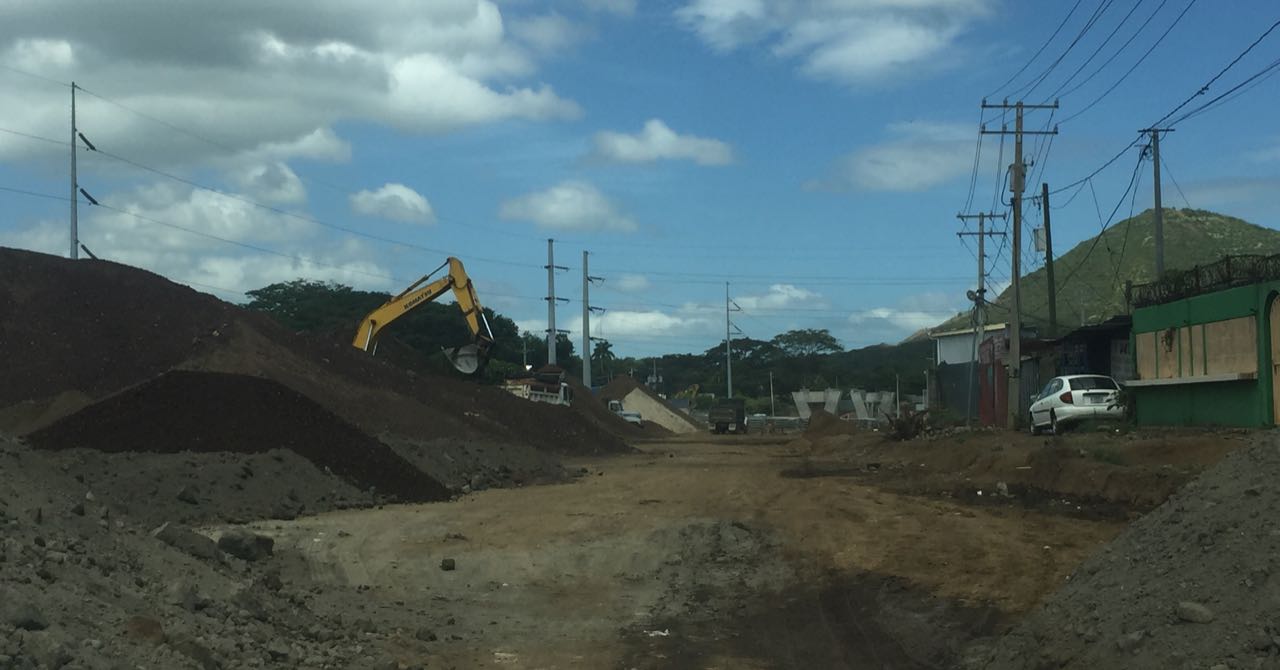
<point x="728" y="415"/>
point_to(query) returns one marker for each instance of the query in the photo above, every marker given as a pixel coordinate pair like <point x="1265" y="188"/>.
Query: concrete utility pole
<point x="1159" y="209"/>
<point x="773" y="411"/>
<point x="979" y="297"/>
<point x="728" y="345"/>
<point x="75" y="197"/>
<point x="552" y="333"/>
<point x="586" y="324"/>
<point x="1017" y="181"/>
<point x="1048" y="262"/>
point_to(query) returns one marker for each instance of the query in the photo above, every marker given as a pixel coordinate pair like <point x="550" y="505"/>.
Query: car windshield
<point x="1092" y="384"/>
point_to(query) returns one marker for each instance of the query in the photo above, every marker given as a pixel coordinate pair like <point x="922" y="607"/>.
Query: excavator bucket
<point x="467" y="359"/>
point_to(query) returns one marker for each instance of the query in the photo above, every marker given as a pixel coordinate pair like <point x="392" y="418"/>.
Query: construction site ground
<point x="218" y="492"/>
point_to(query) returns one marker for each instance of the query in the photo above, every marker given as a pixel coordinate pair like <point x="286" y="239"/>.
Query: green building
<point x="1206" y="345"/>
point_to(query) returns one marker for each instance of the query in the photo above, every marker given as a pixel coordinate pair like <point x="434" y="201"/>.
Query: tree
<point x="807" y="342"/>
<point x="603" y="355"/>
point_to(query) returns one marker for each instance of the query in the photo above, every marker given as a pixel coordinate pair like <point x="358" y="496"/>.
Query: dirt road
<point x="689" y="554"/>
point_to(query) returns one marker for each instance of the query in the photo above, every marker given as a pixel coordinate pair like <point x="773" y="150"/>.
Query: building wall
<point x="955" y="349"/>
<point x="652" y="410"/>
<point x="1217" y="333"/>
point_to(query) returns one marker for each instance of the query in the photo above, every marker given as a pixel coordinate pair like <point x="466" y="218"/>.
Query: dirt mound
<point x="825" y="424"/>
<point x="212" y="412"/>
<point x="94" y="326"/>
<point x="620" y="387"/>
<point x="1194" y="584"/>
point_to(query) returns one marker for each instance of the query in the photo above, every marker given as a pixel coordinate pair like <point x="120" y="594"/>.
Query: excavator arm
<point x="468" y="358"/>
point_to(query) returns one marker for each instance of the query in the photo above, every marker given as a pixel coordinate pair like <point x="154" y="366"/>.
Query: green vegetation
<point x="1091" y="283"/>
<point x="798" y="359"/>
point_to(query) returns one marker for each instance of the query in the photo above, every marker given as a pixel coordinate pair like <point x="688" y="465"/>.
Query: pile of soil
<point x="239" y="414"/>
<point x="87" y="582"/>
<point x="621" y="387"/>
<point x="92" y="328"/>
<point x="1194" y="584"/>
<point x="825" y="424"/>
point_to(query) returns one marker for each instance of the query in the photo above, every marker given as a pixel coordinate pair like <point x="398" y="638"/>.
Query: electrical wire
<point x="1204" y="89"/>
<point x="1098" y="50"/>
<point x="1039" y="51"/>
<point x="1119" y="51"/>
<point x="1132" y="68"/>
<point x="1030" y="88"/>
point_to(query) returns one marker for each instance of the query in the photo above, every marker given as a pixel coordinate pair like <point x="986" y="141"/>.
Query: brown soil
<point x="825" y="424"/>
<point x="211" y="412"/>
<point x="1080" y="473"/>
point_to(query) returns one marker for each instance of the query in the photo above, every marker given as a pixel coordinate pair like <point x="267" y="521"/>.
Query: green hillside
<point x="1091" y="283"/>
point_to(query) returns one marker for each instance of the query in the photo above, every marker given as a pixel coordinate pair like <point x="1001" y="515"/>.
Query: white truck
<point x="615" y="406"/>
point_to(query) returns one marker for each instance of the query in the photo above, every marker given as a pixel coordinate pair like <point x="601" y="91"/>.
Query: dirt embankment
<point x="1092" y="474"/>
<point x="1194" y="584"/>
<point x="97" y="342"/>
<point x="239" y="414"/>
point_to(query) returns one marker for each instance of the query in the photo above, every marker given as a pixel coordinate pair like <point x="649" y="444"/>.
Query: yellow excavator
<point x="469" y="358"/>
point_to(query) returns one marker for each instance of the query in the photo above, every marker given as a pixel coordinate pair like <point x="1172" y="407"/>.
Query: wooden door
<point x="1273" y="317"/>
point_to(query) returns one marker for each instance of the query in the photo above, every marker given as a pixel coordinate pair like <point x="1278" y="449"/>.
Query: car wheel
<point x="1035" y="430"/>
<point x="1053" y="423"/>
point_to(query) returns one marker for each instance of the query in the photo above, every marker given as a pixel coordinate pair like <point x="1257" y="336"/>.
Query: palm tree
<point x="602" y="354"/>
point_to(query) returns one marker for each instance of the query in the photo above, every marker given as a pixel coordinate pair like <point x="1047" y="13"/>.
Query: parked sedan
<point x="1074" y="398"/>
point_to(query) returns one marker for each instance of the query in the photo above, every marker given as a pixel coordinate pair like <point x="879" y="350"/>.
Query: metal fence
<point x="1229" y="272"/>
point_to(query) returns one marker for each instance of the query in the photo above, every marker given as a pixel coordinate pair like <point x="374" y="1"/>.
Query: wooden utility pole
<point x="979" y="297"/>
<point x="1017" y="181"/>
<point x="1048" y="262"/>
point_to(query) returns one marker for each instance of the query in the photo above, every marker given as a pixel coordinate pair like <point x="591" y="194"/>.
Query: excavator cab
<point x="468" y="359"/>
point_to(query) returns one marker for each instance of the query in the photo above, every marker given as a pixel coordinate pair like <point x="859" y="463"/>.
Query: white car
<point x="1074" y="398"/>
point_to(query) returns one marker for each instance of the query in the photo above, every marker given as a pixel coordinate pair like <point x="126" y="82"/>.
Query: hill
<point x="1091" y="276"/>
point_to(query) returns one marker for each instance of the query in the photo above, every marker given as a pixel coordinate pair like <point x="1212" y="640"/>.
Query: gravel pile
<point x="1195" y="584"/>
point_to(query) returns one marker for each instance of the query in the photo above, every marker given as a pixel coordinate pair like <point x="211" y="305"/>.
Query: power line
<point x="1169" y="172"/>
<point x="1034" y="84"/>
<point x="33" y="75"/>
<point x="1267" y="71"/>
<point x="1130" y="71"/>
<point x="1204" y="89"/>
<point x="1132" y="180"/>
<point x="1119" y="51"/>
<point x="1036" y="55"/>
<point x="1098" y="50"/>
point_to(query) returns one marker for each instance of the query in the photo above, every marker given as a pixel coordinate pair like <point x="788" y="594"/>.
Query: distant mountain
<point x="1091" y="277"/>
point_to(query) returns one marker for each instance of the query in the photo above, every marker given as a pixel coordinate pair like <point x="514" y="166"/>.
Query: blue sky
<point x="813" y="154"/>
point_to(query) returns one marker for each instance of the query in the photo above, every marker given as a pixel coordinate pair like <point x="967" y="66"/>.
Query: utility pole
<point x="75" y="197"/>
<point x="773" y="411"/>
<point x="1048" y="262"/>
<point x="979" y="296"/>
<point x="587" y="309"/>
<point x="729" y="306"/>
<point x="1159" y="209"/>
<point x="1017" y="181"/>
<point x="552" y="333"/>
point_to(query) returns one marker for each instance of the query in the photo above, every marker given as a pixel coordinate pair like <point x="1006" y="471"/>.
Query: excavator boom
<point x="469" y="358"/>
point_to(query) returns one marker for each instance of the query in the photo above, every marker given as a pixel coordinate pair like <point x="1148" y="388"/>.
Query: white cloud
<point x="854" y="41"/>
<point x="396" y="202"/>
<point x="41" y="54"/>
<point x="917" y="158"/>
<point x="631" y="283"/>
<point x="549" y="33"/>
<point x="267" y="76"/>
<point x="272" y="183"/>
<point x="893" y="324"/>
<point x="780" y="296"/>
<point x="184" y="256"/>
<point x="619" y="7"/>
<point x="656" y="142"/>
<point x="568" y="206"/>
